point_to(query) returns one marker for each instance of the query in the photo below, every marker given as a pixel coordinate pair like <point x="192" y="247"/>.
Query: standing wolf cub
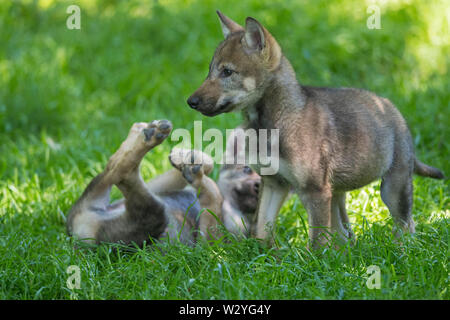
<point x="331" y="140"/>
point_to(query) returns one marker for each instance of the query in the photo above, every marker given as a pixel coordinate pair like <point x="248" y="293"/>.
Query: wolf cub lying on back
<point x="167" y="206"/>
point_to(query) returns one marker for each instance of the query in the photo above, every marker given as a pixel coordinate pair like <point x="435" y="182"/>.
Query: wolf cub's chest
<point x="268" y="161"/>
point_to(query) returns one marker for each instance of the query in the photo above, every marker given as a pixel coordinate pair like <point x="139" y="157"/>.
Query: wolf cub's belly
<point x="346" y="178"/>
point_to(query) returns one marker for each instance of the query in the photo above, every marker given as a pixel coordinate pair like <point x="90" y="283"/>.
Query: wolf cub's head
<point x="238" y="183"/>
<point x="240" y="68"/>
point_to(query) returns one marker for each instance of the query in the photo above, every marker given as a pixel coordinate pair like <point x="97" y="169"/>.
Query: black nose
<point x="194" y="102"/>
<point x="256" y="187"/>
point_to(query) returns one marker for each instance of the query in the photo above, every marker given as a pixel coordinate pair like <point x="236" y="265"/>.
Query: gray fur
<point x="165" y="208"/>
<point x="332" y="140"/>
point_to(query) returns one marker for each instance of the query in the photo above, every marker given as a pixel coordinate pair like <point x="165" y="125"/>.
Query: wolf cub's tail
<point x="427" y="171"/>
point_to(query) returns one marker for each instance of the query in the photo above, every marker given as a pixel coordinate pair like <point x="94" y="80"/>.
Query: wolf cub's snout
<point x="194" y="102"/>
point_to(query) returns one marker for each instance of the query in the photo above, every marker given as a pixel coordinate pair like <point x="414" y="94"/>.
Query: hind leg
<point x="145" y="213"/>
<point x="397" y="194"/>
<point x="141" y="139"/>
<point x="194" y="165"/>
<point x="140" y="214"/>
<point x="83" y="220"/>
<point x="173" y="179"/>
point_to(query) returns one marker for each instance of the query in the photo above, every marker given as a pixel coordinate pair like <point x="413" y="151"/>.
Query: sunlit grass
<point x="68" y="98"/>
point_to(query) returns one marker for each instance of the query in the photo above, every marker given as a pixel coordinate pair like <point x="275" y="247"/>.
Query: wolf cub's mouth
<point x="225" y="107"/>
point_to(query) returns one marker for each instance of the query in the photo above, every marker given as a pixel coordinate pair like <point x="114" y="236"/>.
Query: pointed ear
<point x="254" y="34"/>
<point x="228" y="25"/>
<point x="257" y="38"/>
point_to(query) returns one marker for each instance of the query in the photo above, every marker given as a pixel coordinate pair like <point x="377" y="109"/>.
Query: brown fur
<point x="167" y="207"/>
<point x="331" y="140"/>
<point x="239" y="185"/>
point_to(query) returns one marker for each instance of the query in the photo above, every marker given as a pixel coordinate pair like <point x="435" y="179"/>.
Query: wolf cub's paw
<point x="142" y="137"/>
<point x="156" y="132"/>
<point x="192" y="163"/>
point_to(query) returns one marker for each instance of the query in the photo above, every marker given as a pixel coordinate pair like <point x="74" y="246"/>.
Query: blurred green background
<point x="68" y="98"/>
<point x="140" y="60"/>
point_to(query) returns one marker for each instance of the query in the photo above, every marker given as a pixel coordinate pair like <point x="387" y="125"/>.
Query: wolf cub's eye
<point x="226" y="72"/>
<point x="248" y="170"/>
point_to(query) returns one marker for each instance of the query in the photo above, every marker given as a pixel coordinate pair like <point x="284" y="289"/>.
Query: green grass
<point x="68" y="98"/>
